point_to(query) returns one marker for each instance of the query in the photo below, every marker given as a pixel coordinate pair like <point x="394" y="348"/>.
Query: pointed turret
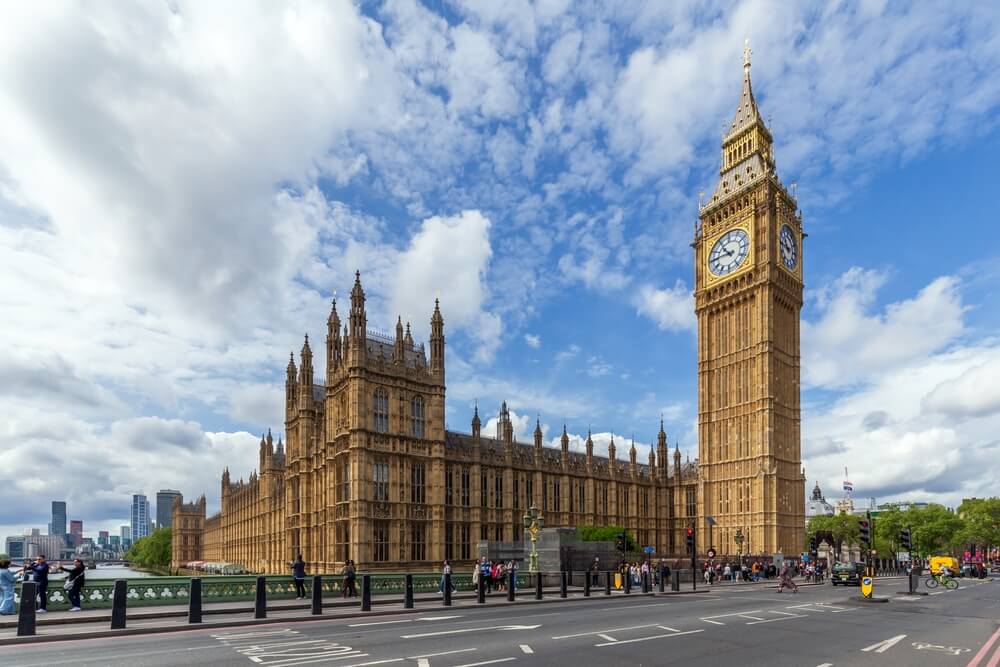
<point x="408" y="339"/>
<point x="306" y="376"/>
<point x="291" y="386"/>
<point x="632" y="456"/>
<point x="538" y="431"/>
<point x="397" y="350"/>
<point x="590" y="447"/>
<point x="263" y="456"/>
<point x="652" y="462"/>
<point x="677" y="461"/>
<point x="437" y="340"/>
<point x="358" y="321"/>
<point x="334" y="345"/>
<point x="661" y="451"/>
<point x="476" y="424"/>
<point x="612" y="455"/>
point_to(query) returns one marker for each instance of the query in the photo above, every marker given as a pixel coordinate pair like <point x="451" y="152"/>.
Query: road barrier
<point x="260" y="601"/>
<point x="194" y="603"/>
<point x="26" y="614"/>
<point x="317" y="595"/>
<point x="119" y="604"/>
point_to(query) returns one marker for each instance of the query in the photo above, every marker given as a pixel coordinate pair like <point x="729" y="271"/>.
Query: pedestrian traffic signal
<point x="620" y="542"/>
<point x="904" y="539"/>
<point x="690" y="539"/>
<point x="866" y="534"/>
<point x="812" y="544"/>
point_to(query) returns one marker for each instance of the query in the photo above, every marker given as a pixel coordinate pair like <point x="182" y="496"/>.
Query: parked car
<point x="848" y="574"/>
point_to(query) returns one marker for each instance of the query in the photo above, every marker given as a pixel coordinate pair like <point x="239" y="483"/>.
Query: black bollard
<point x="260" y="600"/>
<point x="586" y="585"/>
<point x="118" y="605"/>
<point x="447" y="590"/>
<point x="538" y="585"/>
<point x="607" y="582"/>
<point x="317" y="595"/>
<point x="366" y="592"/>
<point x="675" y="580"/>
<point x="511" y="585"/>
<point x="645" y="582"/>
<point x="562" y="583"/>
<point x="627" y="576"/>
<point x="408" y="592"/>
<point x="194" y="601"/>
<point x="663" y="581"/>
<point x="26" y="614"/>
<point x="481" y="590"/>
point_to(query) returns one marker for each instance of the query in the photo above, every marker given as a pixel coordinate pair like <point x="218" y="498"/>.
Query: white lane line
<point x="526" y="649"/>
<point x="361" y="625"/>
<point x="826" y="664"/>
<point x="646" y="639"/>
<point x="783" y="618"/>
<point x="756" y="618"/>
<point x="433" y="655"/>
<point x="883" y="646"/>
<point x="597" y="632"/>
<point x="306" y="661"/>
<point x="735" y="613"/>
<point x="663" y="627"/>
<point x="712" y="622"/>
<point x="937" y="593"/>
<point x="423" y="662"/>
<point x="607" y="638"/>
<point x="488" y="662"/>
<point x="783" y="613"/>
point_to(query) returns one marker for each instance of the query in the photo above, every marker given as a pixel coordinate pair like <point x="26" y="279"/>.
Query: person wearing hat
<point x="7" y="580"/>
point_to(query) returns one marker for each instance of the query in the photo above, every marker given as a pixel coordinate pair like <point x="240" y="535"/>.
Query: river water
<point x="109" y="572"/>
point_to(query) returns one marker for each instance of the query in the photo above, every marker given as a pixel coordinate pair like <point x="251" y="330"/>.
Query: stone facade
<point x="748" y="294"/>
<point x="369" y="472"/>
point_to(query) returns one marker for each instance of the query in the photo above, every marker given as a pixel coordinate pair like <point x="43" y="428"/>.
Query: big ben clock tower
<point x="748" y="294"/>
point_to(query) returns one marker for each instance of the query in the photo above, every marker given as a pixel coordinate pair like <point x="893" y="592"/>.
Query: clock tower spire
<point x="748" y="295"/>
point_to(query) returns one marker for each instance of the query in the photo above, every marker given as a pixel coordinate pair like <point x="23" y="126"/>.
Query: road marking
<point x="526" y="649"/>
<point x="597" y="632"/>
<point x="954" y="650"/>
<point x="885" y="645"/>
<point x="713" y="622"/>
<point x="646" y="639"/>
<point x="663" y="627"/>
<point x="984" y="650"/>
<point x="487" y="662"/>
<point x="464" y="630"/>
<point x="607" y="638"/>
<point x="423" y="662"/>
<point x="735" y="613"/>
<point x="783" y="618"/>
<point x="361" y="625"/>
<point x="433" y="655"/>
<point x="438" y="618"/>
<point x="826" y="664"/>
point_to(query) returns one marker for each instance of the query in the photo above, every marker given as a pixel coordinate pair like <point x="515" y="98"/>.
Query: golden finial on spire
<point x="746" y="54"/>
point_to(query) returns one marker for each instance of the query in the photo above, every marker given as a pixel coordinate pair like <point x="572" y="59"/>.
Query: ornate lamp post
<point x="739" y="544"/>
<point x="533" y="522"/>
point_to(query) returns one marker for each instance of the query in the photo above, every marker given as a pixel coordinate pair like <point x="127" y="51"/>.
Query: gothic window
<point x="556" y="495"/>
<point x="417" y="417"/>
<point x="517" y="491"/>
<point x="466" y="484"/>
<point x="380" y="540"/>
<point x="498" y="532"/>
<point x="417" y="477"/>
<point x="582" y="491"/>
<point x="691" y="501"/>
<point x="343" y="534"/>
<point x="529" y="491"/>
<point x="449" y="541"/>
<point x="517" y="532"/>
<point x="381" y="479"/>
<point x="645" y="502"/>
<point x="498" y="490"/>
<point x="381" y="411"/>
<point x="418" y="541"/>
<point x="484" y="531"/>
<point x="484" y="491"/>
<point x="448" y="484"/>
<point x="465" y="542"/>
<point x="545" y="494"/>
<point x="344" y="485"/>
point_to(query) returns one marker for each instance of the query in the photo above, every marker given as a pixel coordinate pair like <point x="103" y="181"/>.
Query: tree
<point x="981" y="517"/>
<point x="841" y="527"/>
<point x="888" y="523"/>
<point x="152" y="551"/>
<point x="936" y="529"/>
<point x="606" y="534"/>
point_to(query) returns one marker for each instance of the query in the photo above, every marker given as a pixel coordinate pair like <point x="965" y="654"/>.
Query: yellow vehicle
<point x="947" y="561"/>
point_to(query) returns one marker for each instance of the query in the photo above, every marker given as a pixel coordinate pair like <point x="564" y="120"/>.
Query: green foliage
<point x="152" y="551"/>
<point x="606" y="534"/>
<point x="981" y="517"/>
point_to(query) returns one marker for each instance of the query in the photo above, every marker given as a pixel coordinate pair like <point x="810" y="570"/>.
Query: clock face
<point x="729" y="252"/>
<point x="789" y="247"/>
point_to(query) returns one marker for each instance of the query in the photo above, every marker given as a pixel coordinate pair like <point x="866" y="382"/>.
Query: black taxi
<point x="848" y="574"/>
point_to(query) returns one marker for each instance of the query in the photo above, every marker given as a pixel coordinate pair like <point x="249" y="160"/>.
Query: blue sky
<point x="184" y="186"/>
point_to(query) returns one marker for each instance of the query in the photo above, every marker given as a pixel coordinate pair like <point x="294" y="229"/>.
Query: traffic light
<point x="812" y="544"/>
<point x="620" y="542"/>
<point x="866" y="534"/>
<point x="904" y="539"/>
<point x="690" y="539"/>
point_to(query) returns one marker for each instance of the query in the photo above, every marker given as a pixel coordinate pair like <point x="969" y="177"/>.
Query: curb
<point x="187" y="627"/>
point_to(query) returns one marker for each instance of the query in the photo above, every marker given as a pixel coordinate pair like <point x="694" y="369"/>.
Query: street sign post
<point x="867" y="586"/>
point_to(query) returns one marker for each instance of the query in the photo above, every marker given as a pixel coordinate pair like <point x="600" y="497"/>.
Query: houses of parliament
<point x="370" y="473"/>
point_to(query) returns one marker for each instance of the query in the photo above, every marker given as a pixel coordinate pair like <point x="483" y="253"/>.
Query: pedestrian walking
<point x="445" y="571"/>
<point x="7" y="581"/>
<point x="299" y="575"/>
<point x="785" y="580"/>
<point x="74" y="582"/>
<point x="40" y="573"/>
<point x="347" y="586"/>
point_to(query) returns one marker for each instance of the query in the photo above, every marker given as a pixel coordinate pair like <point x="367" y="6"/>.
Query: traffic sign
<point x="867" y="584"/>
<point x="649" y="550"/>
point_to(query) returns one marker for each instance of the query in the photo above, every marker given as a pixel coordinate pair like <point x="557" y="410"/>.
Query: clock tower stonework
<point x="748" y="295"/>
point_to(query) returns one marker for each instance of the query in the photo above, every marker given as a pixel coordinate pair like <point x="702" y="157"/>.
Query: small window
<point x="381" y="411"/>
<point x="381" y="482"/>
<point x="417" y="417"/>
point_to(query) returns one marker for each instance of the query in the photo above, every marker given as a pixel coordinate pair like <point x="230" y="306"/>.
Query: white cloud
<point x="533" y="340"/>
<point x="973" y="391"/>
<point x="571" y="351"/>
<point x="672" y="308"/>
<point x="849" y="343"/>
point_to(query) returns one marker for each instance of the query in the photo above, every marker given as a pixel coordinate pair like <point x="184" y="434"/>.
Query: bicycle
<point x="935" y="579"/>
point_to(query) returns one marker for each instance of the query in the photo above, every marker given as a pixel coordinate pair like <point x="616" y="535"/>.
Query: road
<point x="738" y="625"/>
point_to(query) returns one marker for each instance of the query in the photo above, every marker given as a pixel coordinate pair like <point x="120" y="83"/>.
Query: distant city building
<point x="75" y="533"/>
<point x="903" y="505"/>
<point x="103" y="538"/>
<point x="817" y="506"/>
<point x="33" y="543"/>
<point x="165" y="507"/>
<point x="140" y="517"/>
<point x="15" y="547"/>
<point x="58" y="518"/>
<point x="115" y="542"/>
<point x="126" y="537"/>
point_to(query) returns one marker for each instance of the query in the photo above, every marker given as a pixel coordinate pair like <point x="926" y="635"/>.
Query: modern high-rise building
<point x="140" y="517"/>
<point x="165" y="506"/>
<point x="103" y="538"/>
<point x="126" y="536"/>
<point x="58" y="518"/>
<point x="75" y="533"/>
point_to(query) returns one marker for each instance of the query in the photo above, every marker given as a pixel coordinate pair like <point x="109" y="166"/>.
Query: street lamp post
<point x="533" y="522"/>
<point x="739" y="544"/>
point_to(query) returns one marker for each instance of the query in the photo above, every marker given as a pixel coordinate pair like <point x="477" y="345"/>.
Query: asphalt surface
<point x="819" y="626"/>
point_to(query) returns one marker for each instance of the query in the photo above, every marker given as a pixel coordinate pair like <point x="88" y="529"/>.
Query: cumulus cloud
<point x="533" y="340"/>
<point x="672" y="308"/>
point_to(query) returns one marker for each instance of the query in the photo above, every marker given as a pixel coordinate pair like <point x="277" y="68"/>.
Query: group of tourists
<point x="38" y="572"/>
<point x="493" y="574"/>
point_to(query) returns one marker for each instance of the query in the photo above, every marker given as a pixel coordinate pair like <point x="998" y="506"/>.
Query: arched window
<point x="381" y="411"/>
<point x="417" y="417"/>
